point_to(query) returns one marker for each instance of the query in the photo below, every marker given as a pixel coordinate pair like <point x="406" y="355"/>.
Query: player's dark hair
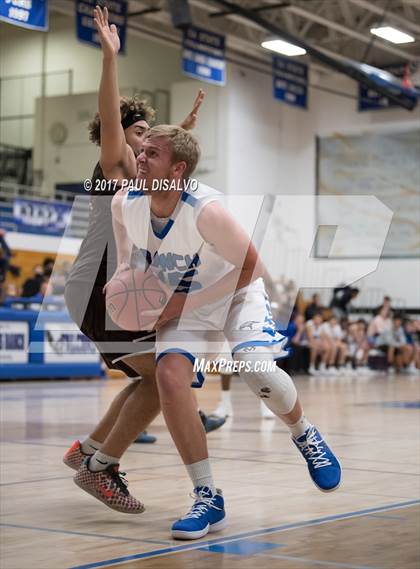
<point x="128" y="105"/>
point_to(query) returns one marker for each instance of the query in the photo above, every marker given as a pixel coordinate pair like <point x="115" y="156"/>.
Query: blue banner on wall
<point x="371" y="100"/>
<point x="290" y="81"/>
<point x="203" y="55"/>
<point x="47" y="218"/>
<point x="32" y="14"/>
<point x="86" y="31"/>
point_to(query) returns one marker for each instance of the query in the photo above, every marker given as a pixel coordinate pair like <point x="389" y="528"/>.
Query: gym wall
<point x="251" y="143"/>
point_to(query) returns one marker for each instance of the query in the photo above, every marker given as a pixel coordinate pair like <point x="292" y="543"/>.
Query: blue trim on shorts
<point x="189" y="199"/>
<point x="134" y="194"/>
<point x="165" y="230"/>
<point x="200" y="377"/>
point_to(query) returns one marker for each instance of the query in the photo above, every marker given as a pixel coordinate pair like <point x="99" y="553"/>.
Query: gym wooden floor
<point x="277" y="518"/>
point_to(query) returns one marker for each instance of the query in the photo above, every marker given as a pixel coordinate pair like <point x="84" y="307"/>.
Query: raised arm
<point x="122" y="241"/>
<point x="190" y="121"/>
<point x="116" y="155"/>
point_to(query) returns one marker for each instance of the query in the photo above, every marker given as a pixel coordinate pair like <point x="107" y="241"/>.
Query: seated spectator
<point x="358" y="345"/>
<point x="32" y="286"/>
<point x="317" y="346"/>
<point x="333" y="336"/>
<point x="298" y="361"/>
<point x="47" y="266"/>
<point x="5" y="254"/>
<point x="12" y="291"/>
<point x="412" y="335"/>
<point x="379" y="329"/>
<point x="59" y="277"/>
<point x="345" y="324"/>
<point x="399" y="351"/>
<point x="386" y="303"/>
<point x="340" y="302"/>
<point x="314" y="307"/>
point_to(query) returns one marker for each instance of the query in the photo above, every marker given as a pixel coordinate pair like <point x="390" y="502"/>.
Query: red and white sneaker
<point x="109" y="487"/>
<point x="74" y="457"/>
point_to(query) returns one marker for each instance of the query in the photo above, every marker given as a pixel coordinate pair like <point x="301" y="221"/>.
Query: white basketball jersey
<point x="177" y="254"/>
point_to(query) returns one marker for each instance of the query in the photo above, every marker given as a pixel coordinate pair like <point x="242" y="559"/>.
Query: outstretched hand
<point x="108" y="34"/>
<point x="190" y="120"/>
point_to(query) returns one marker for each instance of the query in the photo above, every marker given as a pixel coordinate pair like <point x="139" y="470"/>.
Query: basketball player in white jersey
<point x="207" y="261"/>
<point x="118" y="130"/>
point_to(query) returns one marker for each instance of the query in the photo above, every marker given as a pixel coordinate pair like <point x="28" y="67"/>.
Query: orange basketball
<point x="129" y="294"/>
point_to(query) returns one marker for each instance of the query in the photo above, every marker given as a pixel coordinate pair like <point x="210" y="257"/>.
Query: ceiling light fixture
<point x="284" y="47"/>
<point x="392" y="34"/>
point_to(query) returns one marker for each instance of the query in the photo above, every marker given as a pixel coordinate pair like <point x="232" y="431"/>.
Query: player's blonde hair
<point x="185" y="147"/>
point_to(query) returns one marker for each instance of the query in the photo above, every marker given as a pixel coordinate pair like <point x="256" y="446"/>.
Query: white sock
<point x="200" y="474"/>
<point x="90" y="446"/>
<point x="101" y="461"/>
<point x="299" y="428"/>
<point x="226" y="398"/>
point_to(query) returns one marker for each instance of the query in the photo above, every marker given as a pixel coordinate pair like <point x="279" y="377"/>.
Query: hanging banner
<point x="371" y="100"/>
<point x="85" y="26"/>
<point x="203" y="55"/>
<point x="35" y="216"/>
<point x="290" y="81"/>
<point x="31" y="14"/>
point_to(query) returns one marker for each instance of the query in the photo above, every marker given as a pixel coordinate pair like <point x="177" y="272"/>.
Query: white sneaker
<point x="364" y="370"/>
<point x="322" y="368"/>
<point x="332" y="370"/>
<point x="313" y="371"/>
<point x="391" y="370"/>
<point x="223" y="410"/>
<point x="266" y="413"/>
<point x="412" y="370"/>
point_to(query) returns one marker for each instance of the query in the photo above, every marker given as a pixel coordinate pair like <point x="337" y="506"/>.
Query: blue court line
<point x="386" y="517"/>
<point x="253" y="534"/>
<point x="79" y="533"/>
<point x="391" y="404"/>
<point x="317" y="562"/>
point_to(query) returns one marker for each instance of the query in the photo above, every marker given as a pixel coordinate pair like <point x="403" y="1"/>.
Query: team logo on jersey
<point x="178" y="271"/>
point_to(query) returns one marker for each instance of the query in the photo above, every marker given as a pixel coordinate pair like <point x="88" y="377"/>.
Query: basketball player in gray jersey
<point x="138" y="404"/>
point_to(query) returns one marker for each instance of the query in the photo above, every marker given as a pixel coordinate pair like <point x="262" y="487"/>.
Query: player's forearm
<point x="122" y="242"/>
<point x="109" y="96"/>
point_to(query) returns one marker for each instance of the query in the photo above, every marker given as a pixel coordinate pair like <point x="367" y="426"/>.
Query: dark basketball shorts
<point x="115" y="345"/>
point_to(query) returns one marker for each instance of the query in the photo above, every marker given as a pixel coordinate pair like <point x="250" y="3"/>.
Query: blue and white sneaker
<point x="206" y="515"/>
<point x="323" y="466"/>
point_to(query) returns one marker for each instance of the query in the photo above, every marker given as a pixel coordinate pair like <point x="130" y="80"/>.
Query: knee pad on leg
<point x="276" y="388"/>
